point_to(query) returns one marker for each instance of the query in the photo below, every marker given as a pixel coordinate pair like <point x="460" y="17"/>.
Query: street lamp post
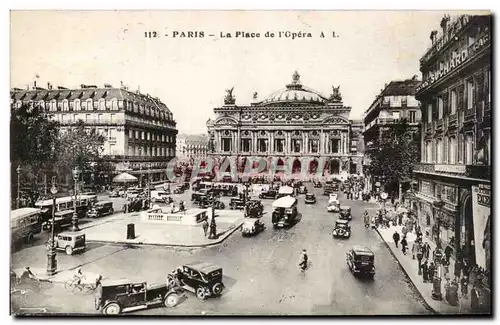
<point x="18" y="170"/>
<point x="74" y="220"/>
<point x="149" y="184"/>
<point x="51" y="249"/>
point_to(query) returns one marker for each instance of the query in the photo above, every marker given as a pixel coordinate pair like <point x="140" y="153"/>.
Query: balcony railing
<point x="472" y="171"/>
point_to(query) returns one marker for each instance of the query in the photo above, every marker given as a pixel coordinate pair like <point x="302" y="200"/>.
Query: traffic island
<point x="152" y="228"/>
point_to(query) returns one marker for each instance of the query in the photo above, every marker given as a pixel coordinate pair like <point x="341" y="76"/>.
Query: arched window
<point x="65" y="105"/>
<point x="89" y="105"/>
<point x="53" y="105"/>
<point x="77" y="105"/>
<point x="114" y="104"/>
<point x="102" y="104"/>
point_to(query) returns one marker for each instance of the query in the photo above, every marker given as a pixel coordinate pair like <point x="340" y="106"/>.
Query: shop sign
<point x="455" y="62"/>
<point x="427" y="188"/>
<point x="450" y="168"/>
<point x="481" y="198"/>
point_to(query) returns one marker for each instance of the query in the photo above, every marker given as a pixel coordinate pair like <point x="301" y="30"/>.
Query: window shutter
<point x="446" y="97"/>
<point x="461" y="97"/>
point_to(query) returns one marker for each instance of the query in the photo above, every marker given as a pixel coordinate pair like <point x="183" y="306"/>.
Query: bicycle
<point x="73" y="285"/>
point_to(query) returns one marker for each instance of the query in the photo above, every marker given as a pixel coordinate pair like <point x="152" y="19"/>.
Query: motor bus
<point x="83" y="204"/>
<point x="25" y="223"/>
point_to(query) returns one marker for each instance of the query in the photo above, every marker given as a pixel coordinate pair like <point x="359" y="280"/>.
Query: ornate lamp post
<point x="74" y="220"/>
<point x="18" y="170"/>
<point x="51" y="249"/>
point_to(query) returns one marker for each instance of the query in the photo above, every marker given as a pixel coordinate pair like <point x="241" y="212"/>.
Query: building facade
<point x="290" y="123"/>
<point x="395" y="103"/>
<point x="454" y="177"/>
<point x="140" y="129"/>
<point x="192" y="147"/>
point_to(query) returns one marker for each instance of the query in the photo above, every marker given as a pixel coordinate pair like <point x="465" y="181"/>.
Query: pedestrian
<point x="404" y="231"/>
<point x="425" y="272"/>
<point x="404" y="244"/>
<point x="447" y="252"/>
<point x="395" y="237"/>
<point x="464" y="286"/>
<point x="430" y="271"/>
<point x="458" y="269"/>
<point x="427" y="250"/>
<point x="414" y="249"/>
<point x="419" y="257"/>
<point x="205" y="227"/>
<point x="474" y="298"/>
<point x="400" y="219"/>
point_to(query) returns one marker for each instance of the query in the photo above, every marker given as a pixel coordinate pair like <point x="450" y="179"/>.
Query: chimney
<point x="107" y="86"/>
<point x="433" y="36"/>
<point x="83" y="86"/>
<point x="34" y="84"/>
<point x="49" y="86"/>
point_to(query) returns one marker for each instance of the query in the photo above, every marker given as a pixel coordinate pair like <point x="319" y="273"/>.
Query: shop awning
<point x="124" y="178"/>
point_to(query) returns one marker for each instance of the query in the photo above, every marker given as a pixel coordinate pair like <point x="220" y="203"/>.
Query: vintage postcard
<point x="247" y="163"/>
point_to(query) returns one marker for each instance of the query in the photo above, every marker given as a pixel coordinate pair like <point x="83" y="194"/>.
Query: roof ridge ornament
<point x="296" y="78"/>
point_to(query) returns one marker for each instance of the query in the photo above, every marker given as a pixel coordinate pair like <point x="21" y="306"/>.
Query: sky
<point x="190" y="75"/>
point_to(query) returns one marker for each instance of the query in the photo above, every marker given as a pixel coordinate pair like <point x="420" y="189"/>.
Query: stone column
<point x="305" y="148"/>
<point x="321" y="143"/>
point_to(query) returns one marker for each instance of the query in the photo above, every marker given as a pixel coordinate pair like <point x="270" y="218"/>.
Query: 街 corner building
<point x="454" y="178"/>
<point x="289" y="124"/>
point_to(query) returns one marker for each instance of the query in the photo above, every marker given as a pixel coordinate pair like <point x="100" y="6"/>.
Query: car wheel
<point x="112" y="211"/>
<point x="217" y="288"/>
<point x="112" y="309"/>
<point x="69" y="250"/>
<point x="200" y="293"/>
<point x="171" y="300"/>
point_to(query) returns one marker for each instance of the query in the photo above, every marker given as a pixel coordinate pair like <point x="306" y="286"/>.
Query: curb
<point x="407" y="275"/>
<point x="229" y="232"/>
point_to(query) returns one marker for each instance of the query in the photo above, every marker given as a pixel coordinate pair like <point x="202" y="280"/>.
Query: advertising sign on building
<point x="481" y="205"/>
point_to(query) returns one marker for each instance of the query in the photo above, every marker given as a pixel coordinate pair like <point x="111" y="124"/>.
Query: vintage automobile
<point x="117" y="192"/>
<point x="161" y="196"/>
<point x="345" y="212"/>
<point x="361" y="261"/>
<point x="70" y="242"/>
<point x="115" y="297"/>
<point x="284" y="212"/>
<point x="132" y="193"/>
<point x="269" y="194"/>
<point x="317" y="184"/>
<point x="179" y="189"/>
<point x="195" y="196"/>
<point x="335" y="186"/>
<point x="254" y="209"/>
<point x="341" y="229"/>
<point x="310" y="198"/>
<point x="252" y="227"/>
<point x="202" y="278"/>
<point x="333" y="206"/>
<point x="237" y="204"/>
<point x="100" y="209"/>
<point x="302" y="189"/>
<point x="332" y="197"/>
<point x="285" y="191"/>
<point x="206" y="202"/>
<point x="327" y="189"/>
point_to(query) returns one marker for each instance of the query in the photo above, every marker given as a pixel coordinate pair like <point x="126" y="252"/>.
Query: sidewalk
<point x="114" y="230"/>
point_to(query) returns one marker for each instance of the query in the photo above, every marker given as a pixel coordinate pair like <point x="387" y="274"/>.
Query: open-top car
<point x="341" y="229"/>
<point x="202" y="278"/>
<point x="115" y="297"/>
<point x="269" y="194"/>
<point x="333" y="206"/>
<point x="310" y="198"/>
<point x="361" y="261"/>
<point x="345" y="212"/>
<point x="252" y="227"/>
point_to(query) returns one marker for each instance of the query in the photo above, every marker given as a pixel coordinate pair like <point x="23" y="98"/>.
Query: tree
<point x="393" y="156"/>
<point x="33" y="139"/>
<point x="79" y="147"/>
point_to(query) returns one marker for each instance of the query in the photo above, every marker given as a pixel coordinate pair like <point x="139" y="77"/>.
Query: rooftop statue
<point x="336" y="96"/>
<point x="229" y="99"/>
